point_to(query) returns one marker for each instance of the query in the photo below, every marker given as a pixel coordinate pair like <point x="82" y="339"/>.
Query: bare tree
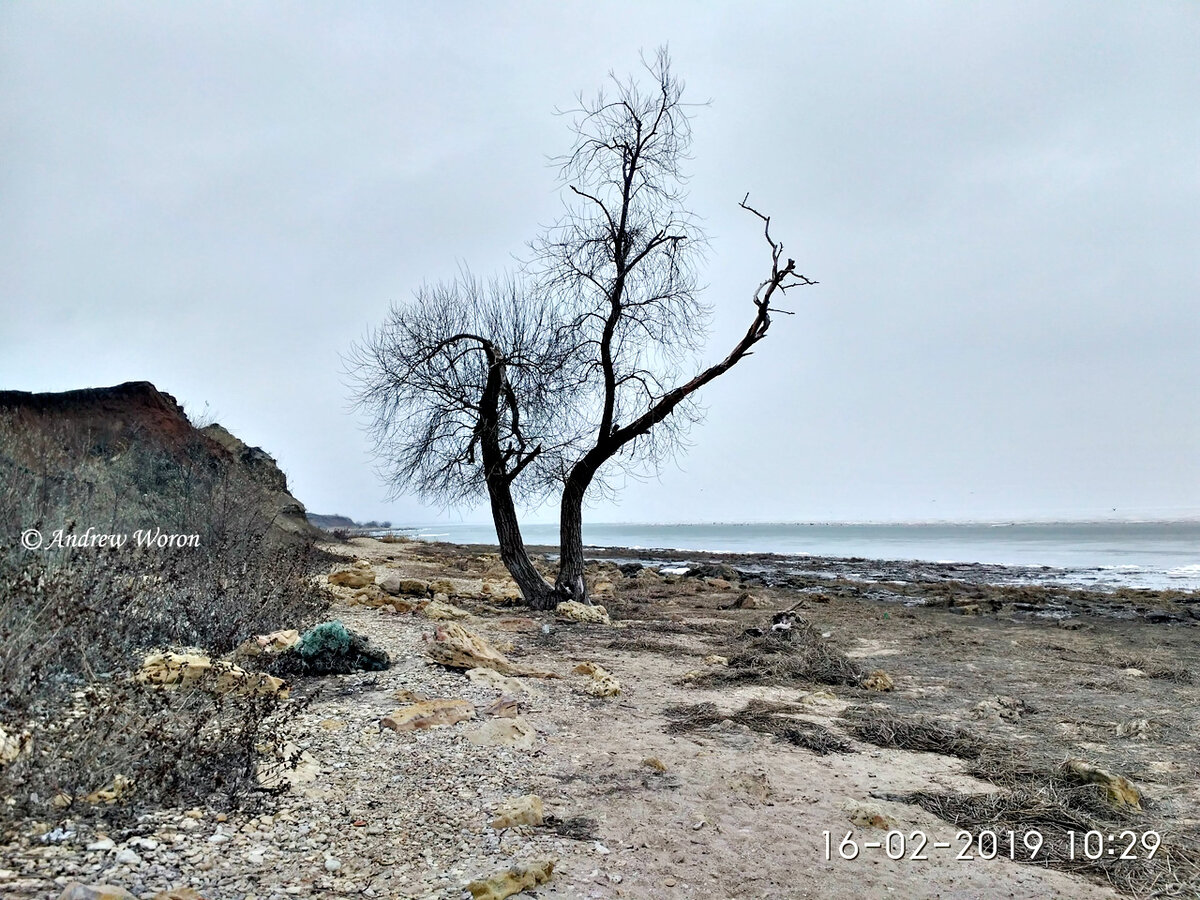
<point x="567" y="375"/>
<point x="622" y="265"/>
<point x="464" y="385"/>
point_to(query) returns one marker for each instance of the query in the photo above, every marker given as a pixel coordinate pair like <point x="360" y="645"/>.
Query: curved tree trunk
<point x="534" y="588"/>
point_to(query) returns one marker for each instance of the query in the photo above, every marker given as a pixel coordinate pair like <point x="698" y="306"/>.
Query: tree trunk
<point x="570" y="584"/>
<point x="534" y="588"/>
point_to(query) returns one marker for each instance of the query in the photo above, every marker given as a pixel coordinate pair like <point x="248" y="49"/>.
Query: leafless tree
<point x="569" y="374"/>
<point x="622" y="266"/>
<point x="465" y="386"/>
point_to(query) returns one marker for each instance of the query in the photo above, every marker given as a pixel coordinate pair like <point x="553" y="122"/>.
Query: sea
<point x="1159" y="555"/>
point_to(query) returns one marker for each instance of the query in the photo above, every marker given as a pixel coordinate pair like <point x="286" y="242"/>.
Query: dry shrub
<point x="649" y="645"/>
<point x="798" y="656"/>
<point x="1053" y="808"/>
<point x="884" y="728"/>
<point x="765" y="717"/>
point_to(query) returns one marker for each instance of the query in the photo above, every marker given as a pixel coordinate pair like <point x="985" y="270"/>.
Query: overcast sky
<point x="1001" y="202"/>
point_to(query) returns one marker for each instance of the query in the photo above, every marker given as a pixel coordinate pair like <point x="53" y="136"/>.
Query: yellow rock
<point x="653" y="762"/>
<point x="77" y="891"/>
<point x="119" y="788"/>
<point x="1120" y="790"/>
<point x="581" y="612"/>
<point x="878" y="680"/>
<point x="194" y="669"/>
<point x="429" y="713"/>
<point x="715" y="660"/>
<point x="351" y="578"/>
<point x="603" y="684"/>
<point x="438" y="610"/>
<point x="867" y="815"/>
<point x="514" y="732"/>
<point x="14" y="745"/>
<point x="525" y="810"/>
<point x="512" y="881"/>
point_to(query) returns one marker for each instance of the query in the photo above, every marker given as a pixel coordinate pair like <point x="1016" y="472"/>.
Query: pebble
<point x="103" y="844"/>
<point x="127" y="857"/>
<point x="332" y="864"/>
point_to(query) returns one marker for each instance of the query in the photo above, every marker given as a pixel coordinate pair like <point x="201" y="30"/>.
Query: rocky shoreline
<point x="632" y="804"/>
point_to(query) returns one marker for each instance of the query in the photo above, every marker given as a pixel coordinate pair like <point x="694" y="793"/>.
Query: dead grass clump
<point x="765" y="717"/>
<point x="574" y="828"/>
<point x="648" y="645"/>
<point x="882" y="727"/>
<point x="800" y="655"/>
<point x="1054" y="810"/>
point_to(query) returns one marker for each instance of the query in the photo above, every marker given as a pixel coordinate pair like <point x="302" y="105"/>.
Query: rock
<point x="719" y="584"/>
<point x="504" y="707"/>
<point x="506" y="684"/>
<point x="351" y="578"/>
<point x="127" y="857"/>
<point x="967" y="609"/>
<point x="878" y="680"/>
<point x="512" y="881"/>
<point x="77" y="891"/>
<point x="1138" y="729"/>
<point x="716" y="660"/>
<point x="393" y="583"/>
<point x="457" y="648"/>
<point x="113" y="792"/>
<point x="603" y="684"/>
<point x="867" y="815"/>
<point x="1119" y="789"/>
<point x="102" y="844"/>
<point x="401" y="605"/>
<point x="525" y="810"/>
<point x="332" y="864"/>
<point x="581" y="612"/>
<point x="14" y="745"/>
<point x="603" y="589"/>
<point x="194" y="669"/>
<point x="440" y="610"/>
<point x="179" y="893"/>
<point x="269" y="645"/>
<point x="371" y="596"/>
<point x="428" y="714"/>
<point x="995" y="709"/>
<point x="288" y="767"/>
<point x="505" y="592"/>
<point x="746" y="601"/>
<point x="515" y="732"/>
<point x="653" y="762"/>
<point x="442" y="586"/>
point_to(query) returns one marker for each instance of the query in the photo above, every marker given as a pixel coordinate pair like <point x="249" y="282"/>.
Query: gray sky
<point x="1001" y="202"/>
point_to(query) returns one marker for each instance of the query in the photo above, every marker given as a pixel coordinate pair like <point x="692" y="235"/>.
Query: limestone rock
<point x="440" y="610"/>
<point x="13" y="745"/>
<point x="457" y="648"/>
<point x="505" y="683"/>
<point x="504" y="592"/>
<point x="746" y="601"/>
<point x="878" y="680"/>
<point x="525" y="810"/>
<point x="371" y="595"/>
<point x="179" y="893"/>
<point x="442" y="586"/>
<point x="867" y="815"/>
<point x="995" y="709"/>
<point x="77" y="891"/>
<point x="268" y="645"/>
<point x="603" y="684"/>
<point x="288" y="766"/>
<point x="429" y="713"/>
<point x="581" y="612"/>
<point x="116" y="790"/>
<point x="351" y="578"/>
<point x="512" y="881"/>
<point x="393" y="583"/>
<point x="603" y="589"/>
<point x="716" y="660"/>
<point x="194" y="669"/>
<point x="1118" y="788"/>
<point x="504" y="707"/>
<point x="515" y="732"/>
<point x="653" y="762"/>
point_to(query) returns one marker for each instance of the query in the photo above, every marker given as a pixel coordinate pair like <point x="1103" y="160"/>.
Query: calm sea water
<point x="1141" y="554"/>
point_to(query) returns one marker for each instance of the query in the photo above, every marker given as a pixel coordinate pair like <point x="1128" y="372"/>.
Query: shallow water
<point x="1100" y="554"/>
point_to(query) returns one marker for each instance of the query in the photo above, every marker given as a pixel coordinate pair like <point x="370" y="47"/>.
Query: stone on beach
<point x="512" y="881"/>
<point x="581" y="612"/>
<point x="429" y="713"/>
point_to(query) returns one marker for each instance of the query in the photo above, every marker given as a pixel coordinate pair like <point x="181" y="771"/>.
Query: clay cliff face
<point x="128" y="454"/>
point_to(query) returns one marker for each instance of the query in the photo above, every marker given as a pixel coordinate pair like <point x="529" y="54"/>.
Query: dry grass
<point x="802" y="657"/>
<point x="765" y="717"/>
<point x="649" y="645"/>
<point x="884" y="728"/>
